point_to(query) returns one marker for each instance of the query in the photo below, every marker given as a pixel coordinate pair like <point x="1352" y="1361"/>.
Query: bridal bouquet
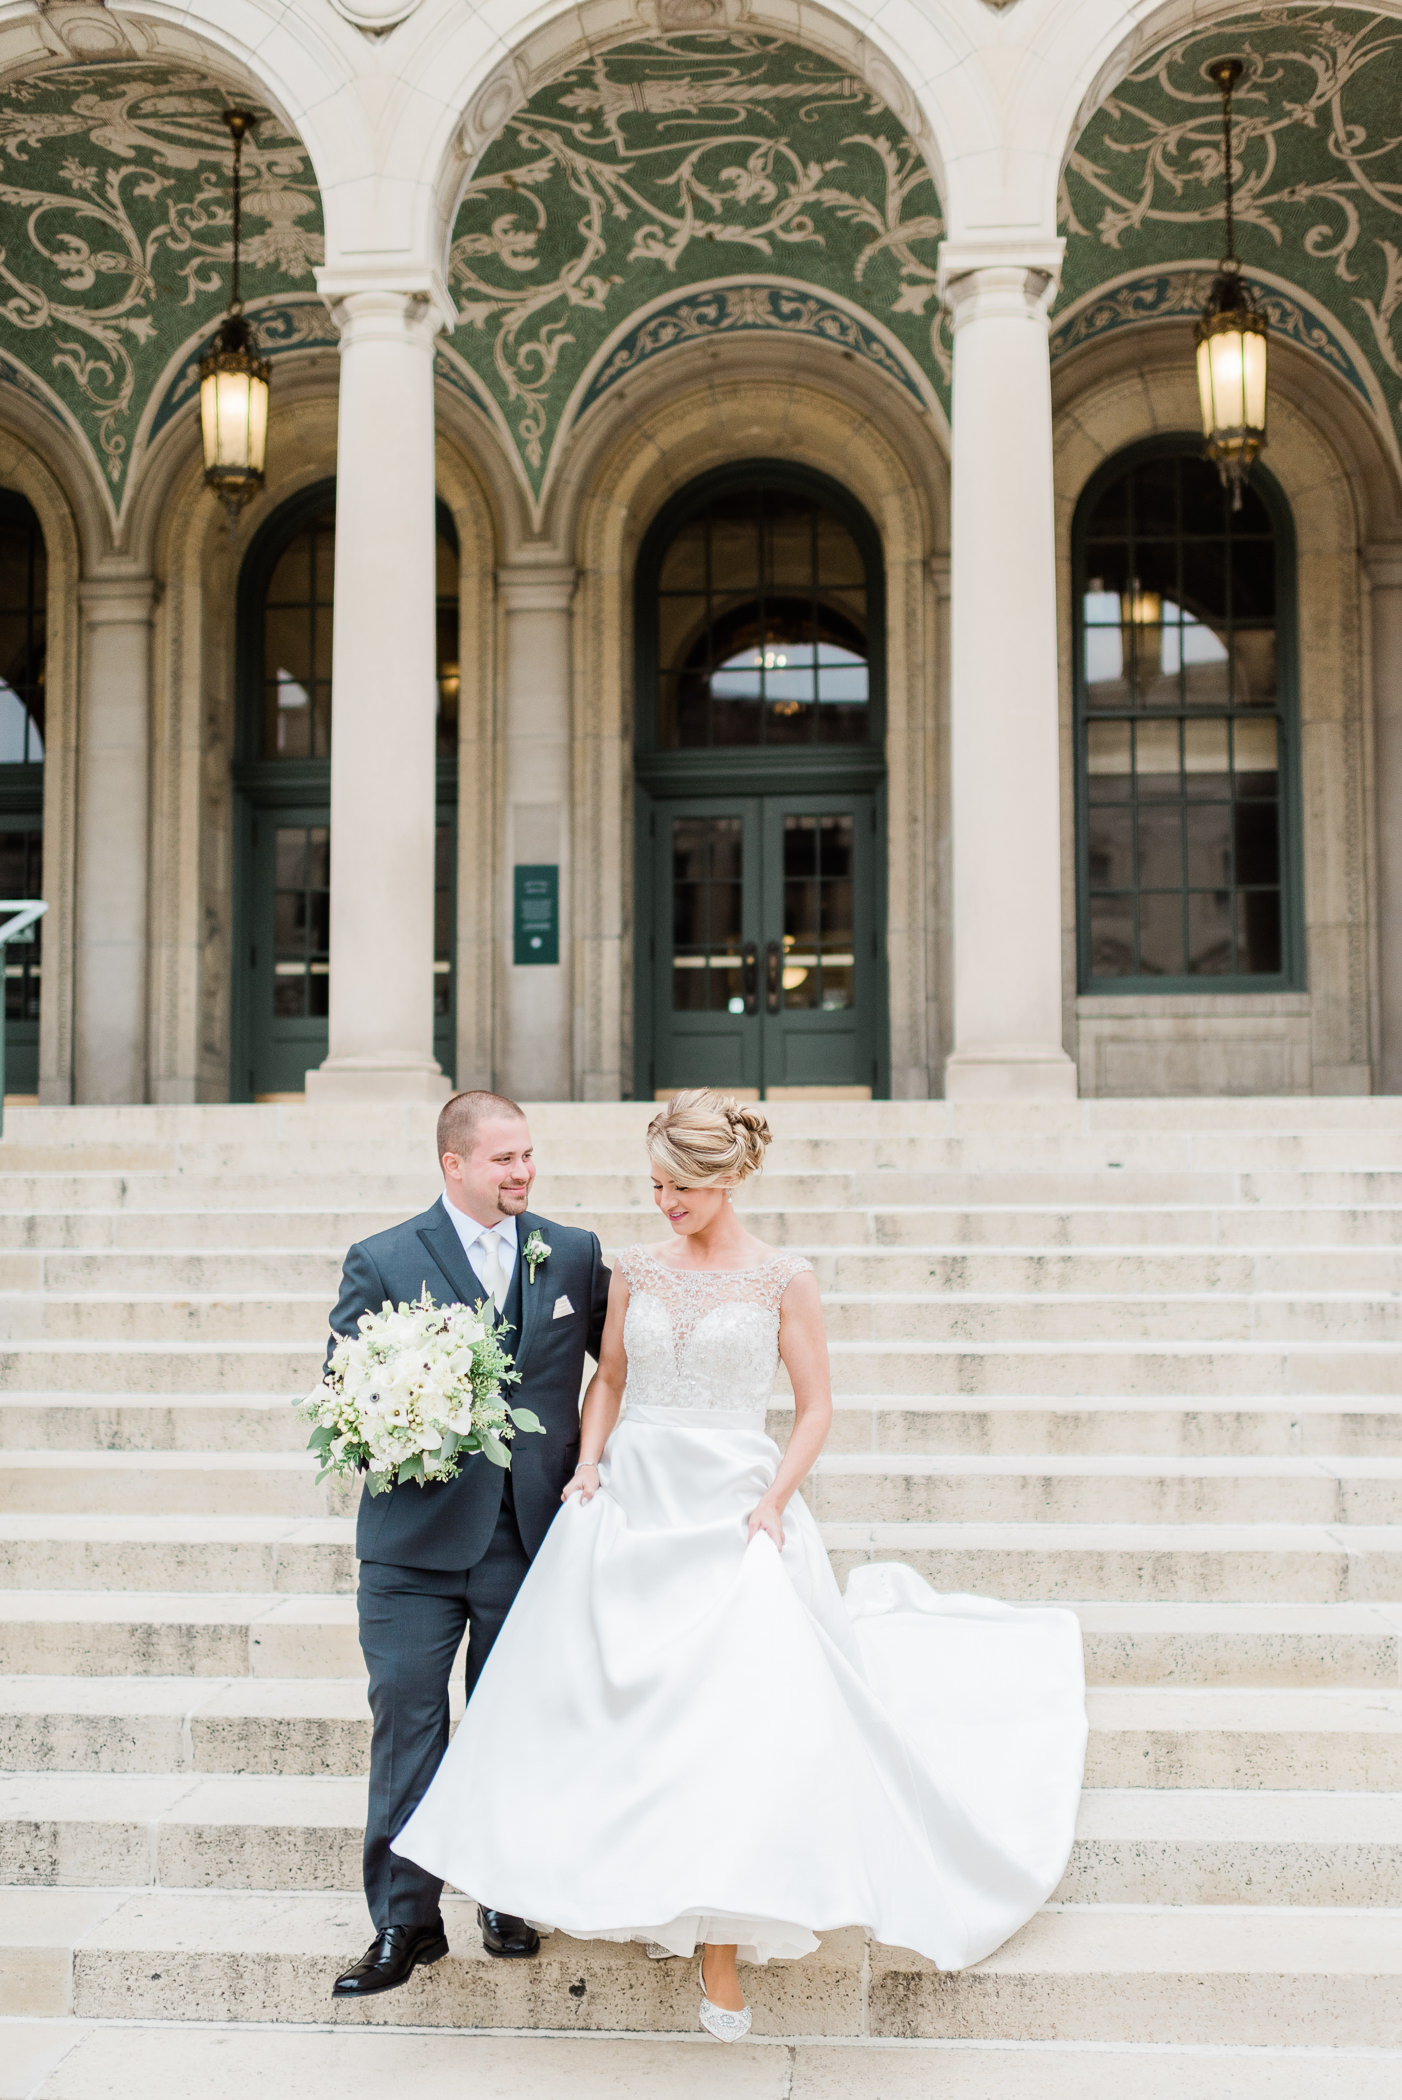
<point x="414" y="1391"/>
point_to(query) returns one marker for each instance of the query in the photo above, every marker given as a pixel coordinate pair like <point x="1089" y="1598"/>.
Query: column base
<point x="1010" y="1074"/>
<point x="375" y="1079"/>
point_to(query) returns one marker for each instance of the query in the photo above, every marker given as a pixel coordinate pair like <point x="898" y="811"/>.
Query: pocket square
<point x="562" y="1308"/>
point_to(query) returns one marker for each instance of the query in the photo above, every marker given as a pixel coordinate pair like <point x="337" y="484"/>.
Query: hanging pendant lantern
<point x="233" y="378"/>
<point x="1231" y="338"/>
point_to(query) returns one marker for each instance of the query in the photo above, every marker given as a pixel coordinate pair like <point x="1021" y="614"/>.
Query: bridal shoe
<point x="717" y="2020"/>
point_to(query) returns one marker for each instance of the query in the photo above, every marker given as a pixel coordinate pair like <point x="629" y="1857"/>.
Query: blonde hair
<point x="702" y="1139"/>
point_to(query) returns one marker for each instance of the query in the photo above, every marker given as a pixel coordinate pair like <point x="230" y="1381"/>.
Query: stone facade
<point x="587" y="264"/>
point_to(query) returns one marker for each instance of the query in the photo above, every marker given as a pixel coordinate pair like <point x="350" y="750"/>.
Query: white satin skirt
<point x="681" y="1737"/>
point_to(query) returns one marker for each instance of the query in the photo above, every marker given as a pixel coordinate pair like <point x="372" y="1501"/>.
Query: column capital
<point x="1003" y="280"/>
<point x="118" y="601"/>
<point x="1382" y="562"/>
<point x="392" y="304"/>
<point x="537" y="586"/>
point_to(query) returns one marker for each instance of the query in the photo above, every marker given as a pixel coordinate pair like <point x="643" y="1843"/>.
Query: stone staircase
<point x="1141" y="1357"/>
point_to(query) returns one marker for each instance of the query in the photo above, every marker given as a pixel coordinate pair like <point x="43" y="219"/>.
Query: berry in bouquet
<point x="414" y="1391"/>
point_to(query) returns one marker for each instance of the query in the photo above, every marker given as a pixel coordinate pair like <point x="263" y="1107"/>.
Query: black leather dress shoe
<point x="391" y="1959"/>
<point x="510" y="1939"/>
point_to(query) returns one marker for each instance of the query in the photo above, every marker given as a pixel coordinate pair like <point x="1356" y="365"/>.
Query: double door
<point x="286" y="945"/>
<point x="762" y="948"/>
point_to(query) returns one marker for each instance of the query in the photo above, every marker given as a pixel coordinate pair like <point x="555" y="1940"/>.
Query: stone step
<point x="200" y="1634"/>
<point x="1050" y="1225"/>
<point x="1185" y="1563"/>
<point x="1017" y="1426"/>
<point x="270" y="1185"/>
<point x="1048" y="1369"/>
<point x="99" y="1319"/>
<point x="205" y="1633"/>
<point x="97" y="2060"/>
<point x="1240" y="1563"/>
<point x="1166" y="1974"/>
<point x="320" y="1727"/>
<point x="858" y="1268"/>
<point x="221" y="1483"/>
<point x="196" y="1830"/>
<point x="97" y="1553"/>
<point x="845" y="1139"/>
<point x="844" y="1488"/>
<point x="1003" y="1490"/>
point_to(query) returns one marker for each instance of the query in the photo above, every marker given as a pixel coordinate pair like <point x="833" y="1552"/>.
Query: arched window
<point x="286" y="616"/>
<point x="761" y="618"/>
<point x="23" y="612"/>
<point x="1185" y="730"/>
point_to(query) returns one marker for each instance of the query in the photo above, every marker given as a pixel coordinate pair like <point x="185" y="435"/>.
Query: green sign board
<point x="536" y="915"/>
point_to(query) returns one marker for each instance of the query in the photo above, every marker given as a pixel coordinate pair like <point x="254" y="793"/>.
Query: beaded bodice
<point x="703" y="1338"/>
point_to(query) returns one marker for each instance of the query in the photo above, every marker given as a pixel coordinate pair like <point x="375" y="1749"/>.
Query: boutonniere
<point x="535" y="1251"/>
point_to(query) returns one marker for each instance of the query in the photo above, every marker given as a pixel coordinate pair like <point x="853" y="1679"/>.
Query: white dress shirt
<point x="474" y="1235"/>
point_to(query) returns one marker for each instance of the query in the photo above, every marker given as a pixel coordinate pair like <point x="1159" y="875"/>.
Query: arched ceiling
<point x="114" y="179"/>
<point x="682" y="187"/>
<point x="1317" y="132"/>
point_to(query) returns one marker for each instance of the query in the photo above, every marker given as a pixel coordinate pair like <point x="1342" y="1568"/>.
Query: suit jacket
<point x="449" y="1524"/>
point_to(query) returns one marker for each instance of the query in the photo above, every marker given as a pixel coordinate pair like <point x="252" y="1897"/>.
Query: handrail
<point x="27" y="911"/>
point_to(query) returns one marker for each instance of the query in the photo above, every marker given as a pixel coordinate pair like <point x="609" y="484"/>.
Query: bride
<point x="709" y="1743"/>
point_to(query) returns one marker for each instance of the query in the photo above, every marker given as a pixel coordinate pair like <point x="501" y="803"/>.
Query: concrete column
<point x="1004" y="759"/>
<point x="114" y="765"/>
<point x="1384" y="569"/>
<point x="384" y="698"/>
<point x="535" y="1038"/>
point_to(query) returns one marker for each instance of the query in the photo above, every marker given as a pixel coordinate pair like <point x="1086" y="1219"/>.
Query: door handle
<point x="749" y="976"/>
<point x="773" y="975"/>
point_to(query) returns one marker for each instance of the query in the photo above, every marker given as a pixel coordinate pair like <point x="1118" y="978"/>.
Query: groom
<point x="437" y="1558"/>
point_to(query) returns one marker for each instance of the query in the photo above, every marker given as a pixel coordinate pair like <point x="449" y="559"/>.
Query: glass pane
<point x="1254" y="679"/>
<point x="1155" y="498"/>
<point x="1210" y="934"/>
<point x="1108" y="760"/>
<point x="1258" y="933"/>
<point x="1161" y="936"/>
<point x="1209" y="834"/>
<point x="290" y="582"/>
<point x="1207" y="758"/>
<point x="1161" y="847"/>
<point x="1156" y="765"/>
<point x="1110" y="844"/>
<point x="1257" y="844"/>
<point x="1112" y="936"/>
<point x="707" y="898"/>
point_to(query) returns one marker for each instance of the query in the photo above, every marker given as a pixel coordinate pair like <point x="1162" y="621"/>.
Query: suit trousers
<point x="411" y="1624"/>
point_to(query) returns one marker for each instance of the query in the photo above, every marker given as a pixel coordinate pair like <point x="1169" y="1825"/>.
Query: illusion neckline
<point x="753" y="1268"/>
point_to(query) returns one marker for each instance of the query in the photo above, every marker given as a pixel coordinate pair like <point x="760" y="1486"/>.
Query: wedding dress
<point x="681" y="1737"/>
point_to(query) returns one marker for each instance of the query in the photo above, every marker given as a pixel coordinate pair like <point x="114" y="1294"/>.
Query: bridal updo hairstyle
<point x="703" y="1140"/>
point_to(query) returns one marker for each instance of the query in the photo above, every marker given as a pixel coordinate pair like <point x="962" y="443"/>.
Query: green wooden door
<point x="762" y="949"/>
<point x="287" y="964"/>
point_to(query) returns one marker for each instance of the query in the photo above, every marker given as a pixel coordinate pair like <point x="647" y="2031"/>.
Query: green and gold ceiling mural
<point x="114" y="182"/>
<point x="1317" y="143"/>
<point x="735" y="161"/>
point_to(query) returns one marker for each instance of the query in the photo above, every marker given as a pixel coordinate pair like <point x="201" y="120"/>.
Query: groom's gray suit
<point x="436" y="1559"/>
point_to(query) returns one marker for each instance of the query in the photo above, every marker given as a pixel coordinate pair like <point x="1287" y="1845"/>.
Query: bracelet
<point x="592" y="1463"/>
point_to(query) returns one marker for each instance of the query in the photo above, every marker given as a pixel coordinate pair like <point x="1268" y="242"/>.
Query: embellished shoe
<point x="657" y="1952"/>
<point x="726" y="2026"/>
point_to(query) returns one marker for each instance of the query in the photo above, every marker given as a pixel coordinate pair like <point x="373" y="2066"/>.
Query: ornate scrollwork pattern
<point x="1318" y="151"/>
<point x="672" y="162"/>
<point x="115" y="183"/>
